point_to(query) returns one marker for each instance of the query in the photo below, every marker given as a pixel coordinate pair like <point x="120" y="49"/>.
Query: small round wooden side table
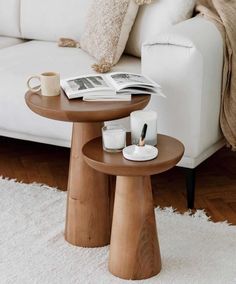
<point x="134" y="250"/>
<point x="87" y="217"/>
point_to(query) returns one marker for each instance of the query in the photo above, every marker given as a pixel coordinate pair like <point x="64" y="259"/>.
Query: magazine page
<point x="138" y="91"/>
<point x="122" y="80"/>
<point x="76" y="87"/>
<point x="142" y="90"/>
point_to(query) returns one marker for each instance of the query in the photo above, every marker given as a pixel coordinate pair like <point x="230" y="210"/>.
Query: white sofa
<point x="186" y="60"/>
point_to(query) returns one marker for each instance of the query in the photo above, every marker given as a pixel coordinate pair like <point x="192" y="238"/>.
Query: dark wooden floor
<point x="216" y="177"/>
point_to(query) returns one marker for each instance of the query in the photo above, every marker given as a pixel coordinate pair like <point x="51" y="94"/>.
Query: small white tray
<point x="140" y="153"/>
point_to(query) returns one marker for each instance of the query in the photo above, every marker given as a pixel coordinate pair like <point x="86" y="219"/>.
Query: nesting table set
<point x="134" y="248"/>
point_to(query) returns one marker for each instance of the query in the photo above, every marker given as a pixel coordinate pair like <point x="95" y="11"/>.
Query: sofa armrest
<point x="186" y="60"/>
<point x="195" y="32"/>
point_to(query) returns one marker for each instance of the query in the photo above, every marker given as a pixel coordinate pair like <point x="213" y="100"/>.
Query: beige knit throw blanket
<point x="223" y="14"/>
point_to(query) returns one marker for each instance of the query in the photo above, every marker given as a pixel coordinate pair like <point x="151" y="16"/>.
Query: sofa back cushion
<point x="156" y="17"/>
<point x="10" y="18"/>
<point x="51" y="19"/>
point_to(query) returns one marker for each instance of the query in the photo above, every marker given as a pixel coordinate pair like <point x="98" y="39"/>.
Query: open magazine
<point x="116" y="86"/>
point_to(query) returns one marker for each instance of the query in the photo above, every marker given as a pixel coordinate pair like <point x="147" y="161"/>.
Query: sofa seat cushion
<point x="9" y="41"/>
<point x="34" y="57"/>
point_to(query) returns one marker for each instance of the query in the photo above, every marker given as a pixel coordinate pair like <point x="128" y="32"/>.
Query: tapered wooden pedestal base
<point x="88" y="218"/>
<point x="134" y="250"/>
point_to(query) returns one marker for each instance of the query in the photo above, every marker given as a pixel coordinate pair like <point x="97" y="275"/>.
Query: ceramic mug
<point x="49" y="84"/>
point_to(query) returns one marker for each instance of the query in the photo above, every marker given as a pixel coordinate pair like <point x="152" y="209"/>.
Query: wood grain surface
<point x="77" y="110"/>
<point x="88" y="217"/>
<point x="170" y="152"/>
<point x="88" y="213"/>
<point x="134" y="249"/>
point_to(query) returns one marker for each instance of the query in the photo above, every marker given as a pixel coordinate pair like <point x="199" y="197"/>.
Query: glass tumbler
<point x="113" y="138"/>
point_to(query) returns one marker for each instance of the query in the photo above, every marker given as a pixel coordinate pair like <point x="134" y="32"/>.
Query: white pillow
<point x="10" y="18"/>
<point x="154" y="18"/>
<point x="51" y="19"/>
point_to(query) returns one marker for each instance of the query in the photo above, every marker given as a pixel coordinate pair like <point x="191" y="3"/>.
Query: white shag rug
<point x="33" y="249"/>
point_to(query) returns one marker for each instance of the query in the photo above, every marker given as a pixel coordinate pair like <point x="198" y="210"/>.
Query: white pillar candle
<point x="114" y="138"/>
<point x="137" y="120"/>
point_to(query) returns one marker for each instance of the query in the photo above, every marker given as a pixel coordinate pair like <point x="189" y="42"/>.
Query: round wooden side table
<point x="134" y="249"/>
<point x="87" y="217"/>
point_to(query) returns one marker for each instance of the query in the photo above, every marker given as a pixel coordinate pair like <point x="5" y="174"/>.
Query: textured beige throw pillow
<point x="107" y="30"/>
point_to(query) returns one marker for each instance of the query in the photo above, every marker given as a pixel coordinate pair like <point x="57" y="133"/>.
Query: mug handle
<point x="35" y="89"/>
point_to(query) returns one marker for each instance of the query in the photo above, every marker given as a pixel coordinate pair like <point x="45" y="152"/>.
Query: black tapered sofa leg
<point x="190" y="175"/>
